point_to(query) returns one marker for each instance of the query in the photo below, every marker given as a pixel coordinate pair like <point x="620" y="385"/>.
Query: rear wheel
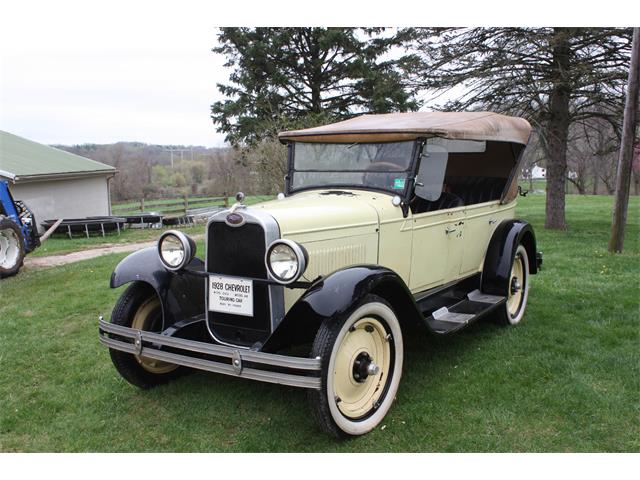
<point x="517" y="289"/>
<point x="11" y="247"/>
<point x="139" y="307"/>
<point x="361" y="368"/>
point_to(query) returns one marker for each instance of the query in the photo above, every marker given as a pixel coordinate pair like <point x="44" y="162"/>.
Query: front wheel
<point x="361" y="368"/>
<point x="139" y="307"/>
<point x="11" y="247"/>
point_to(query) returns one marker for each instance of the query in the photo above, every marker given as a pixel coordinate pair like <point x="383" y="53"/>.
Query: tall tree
<point x="623" y="179"/>
<point x="551" y="76"/>
<point x="284" y="77"/>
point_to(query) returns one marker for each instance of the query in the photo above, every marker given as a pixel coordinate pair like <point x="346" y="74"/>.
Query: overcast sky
<point x="99" y="72"/>
<point x="102" y="76"/>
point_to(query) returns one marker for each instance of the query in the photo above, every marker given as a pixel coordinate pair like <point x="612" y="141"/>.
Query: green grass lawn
<point x="538" y="185"/>
<point x="565" y="379"/>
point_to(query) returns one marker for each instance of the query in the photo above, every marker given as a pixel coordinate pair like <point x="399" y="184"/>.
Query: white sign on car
<point x="230" y="295"/>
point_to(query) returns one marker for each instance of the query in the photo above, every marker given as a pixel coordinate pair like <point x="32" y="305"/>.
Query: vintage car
<point x="387" y="222"/>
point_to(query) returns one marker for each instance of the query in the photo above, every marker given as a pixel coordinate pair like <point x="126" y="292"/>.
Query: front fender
<point x="502" y="248"/>
<point x="337" y="295"/>
<point x="181" y="295"/>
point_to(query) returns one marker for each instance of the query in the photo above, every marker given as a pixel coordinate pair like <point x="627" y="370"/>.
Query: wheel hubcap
<point x="361" y="368"/>
<point x="515" y="285"/>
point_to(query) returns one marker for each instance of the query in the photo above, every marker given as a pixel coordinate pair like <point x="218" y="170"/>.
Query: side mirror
<point x="430" y="178"/>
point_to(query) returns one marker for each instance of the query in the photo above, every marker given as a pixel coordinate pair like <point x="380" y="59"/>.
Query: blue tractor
<point x="18" y="232"/>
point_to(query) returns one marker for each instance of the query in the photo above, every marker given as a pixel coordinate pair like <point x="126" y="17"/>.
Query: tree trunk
<point x="316" y="79"/>
<point x="557" y="132"/>
<point x="623" y="179"/>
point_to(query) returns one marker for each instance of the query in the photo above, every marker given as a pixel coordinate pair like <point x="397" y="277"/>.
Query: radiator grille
<point x="239" y="251"/>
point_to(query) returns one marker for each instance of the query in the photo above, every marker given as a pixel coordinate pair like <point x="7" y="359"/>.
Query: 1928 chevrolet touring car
<point x="386" y="221"/>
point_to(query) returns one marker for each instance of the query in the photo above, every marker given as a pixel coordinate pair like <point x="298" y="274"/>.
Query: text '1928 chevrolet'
<point x="386" y="222"/>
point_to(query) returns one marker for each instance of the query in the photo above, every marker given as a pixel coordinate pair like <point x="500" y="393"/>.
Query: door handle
<point x="449" y="230"/>
<point x="492" y="221"/>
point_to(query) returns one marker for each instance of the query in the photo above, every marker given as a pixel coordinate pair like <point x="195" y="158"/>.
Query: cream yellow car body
<point x="340" y="228"/>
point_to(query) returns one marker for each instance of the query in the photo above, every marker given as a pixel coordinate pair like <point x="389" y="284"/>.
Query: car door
<point x="480" y="223"/>
<point x="437" y="246"/>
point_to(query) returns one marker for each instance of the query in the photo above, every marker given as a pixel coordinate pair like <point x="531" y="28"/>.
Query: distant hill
<point x="155" y="170"/>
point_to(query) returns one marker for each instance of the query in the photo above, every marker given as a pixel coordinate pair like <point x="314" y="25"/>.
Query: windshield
<point x="382" y="166"/>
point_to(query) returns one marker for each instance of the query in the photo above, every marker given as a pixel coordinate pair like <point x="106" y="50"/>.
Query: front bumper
<point x="265" y="367"/>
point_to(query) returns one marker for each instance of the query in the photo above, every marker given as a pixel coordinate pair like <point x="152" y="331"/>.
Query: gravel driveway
<point x="66" y="258"/>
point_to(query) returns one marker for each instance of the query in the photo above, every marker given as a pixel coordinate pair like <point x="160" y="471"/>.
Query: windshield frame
<point x="403" y="194"/>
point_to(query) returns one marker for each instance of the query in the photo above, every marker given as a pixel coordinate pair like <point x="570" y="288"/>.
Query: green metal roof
<point x="22" y="159"/>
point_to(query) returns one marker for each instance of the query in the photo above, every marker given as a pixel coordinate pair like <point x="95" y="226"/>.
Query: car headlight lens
<point x="286" y="261"/>
<point x="175" y="249"/>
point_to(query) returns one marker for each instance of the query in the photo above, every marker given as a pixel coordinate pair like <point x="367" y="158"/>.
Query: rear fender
<point x="501" y="251"/>
<point x="336" y="296"/>
<point x="181" y="295"/>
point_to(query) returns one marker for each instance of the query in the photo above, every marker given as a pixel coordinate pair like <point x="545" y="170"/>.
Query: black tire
<point x="28" y="218"/>
<point x="11" y="247"/>
<point x="372" y="334"/>
<point x="139" y="307"/>
<point x="517" y="293"/>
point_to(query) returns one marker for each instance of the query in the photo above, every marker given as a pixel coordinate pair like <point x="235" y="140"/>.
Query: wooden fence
<point x="170" y="207"/>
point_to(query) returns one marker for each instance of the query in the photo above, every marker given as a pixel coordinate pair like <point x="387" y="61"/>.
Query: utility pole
<point x="181" y="150"/>
<point x="625" y="158"/>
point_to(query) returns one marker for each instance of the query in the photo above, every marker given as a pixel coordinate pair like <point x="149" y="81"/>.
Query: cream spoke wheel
<point x="363" y="350"/>
<point x="361" y="368"/>
<point x="144" y="319"/>
<point x="517" y="289"/>
<point x="515" y="285"/>
<point x="139" y="307"/>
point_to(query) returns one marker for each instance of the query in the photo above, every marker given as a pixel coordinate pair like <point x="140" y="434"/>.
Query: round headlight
<point x="286" y="261"/>
<point x="175" y="249"/>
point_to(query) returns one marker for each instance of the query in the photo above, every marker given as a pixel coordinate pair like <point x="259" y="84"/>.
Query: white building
<point x="538" y="173"/>
<point x="54" y="183"/>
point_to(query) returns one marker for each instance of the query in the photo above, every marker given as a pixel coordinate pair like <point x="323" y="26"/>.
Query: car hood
<point x="320" y="213"/>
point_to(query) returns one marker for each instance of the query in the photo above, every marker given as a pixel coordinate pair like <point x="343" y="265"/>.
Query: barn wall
<point x="83" y="197"/>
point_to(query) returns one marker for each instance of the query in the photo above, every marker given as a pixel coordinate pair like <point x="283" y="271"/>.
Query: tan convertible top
<point x="407" y="126"/>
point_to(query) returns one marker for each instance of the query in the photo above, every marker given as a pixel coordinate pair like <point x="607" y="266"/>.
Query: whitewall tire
<point x="362" y="357"/>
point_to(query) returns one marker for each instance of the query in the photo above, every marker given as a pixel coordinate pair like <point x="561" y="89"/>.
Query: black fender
<point x="501" y="251"/>
<point x="337" y="295"/>
<point x="181" y="294"/>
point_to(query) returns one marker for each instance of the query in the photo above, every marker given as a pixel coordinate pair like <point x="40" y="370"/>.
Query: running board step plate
<point x="458" y="315"/>
<point x="444" y="315"/>
<point x="478" y="296"/>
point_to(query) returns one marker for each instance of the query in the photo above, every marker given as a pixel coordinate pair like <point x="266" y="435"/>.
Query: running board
<point x="459" y="314"/>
